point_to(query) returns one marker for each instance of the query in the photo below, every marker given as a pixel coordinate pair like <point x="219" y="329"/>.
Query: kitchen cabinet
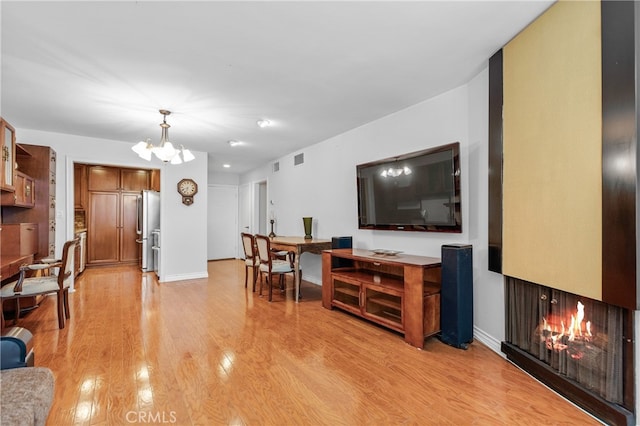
<point x="23" y="194"/>
<point x="154" y="175"/>
<point x="21" y="239"/>
<point x="79" y="186"/>
<point x="8" y="148"/>
<point x="134" y="180"/>
<point x="105" y="178"/>
<point x="112" y="228"/>
<point x="19" y="245"/>
<point x="112" y="213"/>
<point x="35" y="187"/>
<point x="103" y="228"/>
<point x="130" y="250"/>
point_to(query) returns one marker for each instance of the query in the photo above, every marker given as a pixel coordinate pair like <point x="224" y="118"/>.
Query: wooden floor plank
<point x="210" y="352"/>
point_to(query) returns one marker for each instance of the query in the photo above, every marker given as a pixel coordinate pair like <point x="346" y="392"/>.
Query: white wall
<point x="222" y="178"/>
<point x="183" y="242"/>
<point x="324" y="187"/>
<point x="488" y="294"/>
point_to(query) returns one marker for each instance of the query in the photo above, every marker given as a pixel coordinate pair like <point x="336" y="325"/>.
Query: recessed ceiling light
<point x="234" y="142"/>
<point x="226" y="166"/>
<point x="263" y="123"/>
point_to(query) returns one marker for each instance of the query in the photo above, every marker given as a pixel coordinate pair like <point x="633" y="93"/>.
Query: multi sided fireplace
<point x="573" y="344"/>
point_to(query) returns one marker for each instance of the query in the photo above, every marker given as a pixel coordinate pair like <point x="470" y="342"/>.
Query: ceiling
<point x="314" y="69"/>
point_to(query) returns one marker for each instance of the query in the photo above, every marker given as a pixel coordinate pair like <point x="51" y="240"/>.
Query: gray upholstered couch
<point x="26" y="392"/>
<point x="26" y="396"/>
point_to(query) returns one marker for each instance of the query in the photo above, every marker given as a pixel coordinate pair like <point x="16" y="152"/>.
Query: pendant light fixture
<point x="165" y="151"/>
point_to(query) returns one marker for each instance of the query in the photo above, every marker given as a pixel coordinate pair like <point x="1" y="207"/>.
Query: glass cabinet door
<point x="8" y="155"/>
<point x="384" y="306"/>
<point x="346" y="294"/>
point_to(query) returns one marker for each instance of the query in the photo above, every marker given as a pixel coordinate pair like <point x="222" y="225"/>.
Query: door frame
<point x="230" y="190"/>
<point x="258" y="209"/>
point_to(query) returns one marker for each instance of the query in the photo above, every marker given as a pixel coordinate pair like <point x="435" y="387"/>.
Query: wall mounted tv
<point x="419" y="191"/>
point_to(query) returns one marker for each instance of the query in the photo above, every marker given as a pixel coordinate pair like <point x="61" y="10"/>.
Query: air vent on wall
<point x="298" y="159"/>
<point x="276" y="166"/>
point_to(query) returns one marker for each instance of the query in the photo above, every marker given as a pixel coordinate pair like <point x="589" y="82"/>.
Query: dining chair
<point x="250" y="258"/>
<point x="270" y="265"/>
<point x="43" y="285"/>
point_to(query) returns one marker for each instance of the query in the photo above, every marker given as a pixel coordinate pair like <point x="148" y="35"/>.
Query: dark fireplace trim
<point x="495" y="162"/>
<point x="610" y="413"/>
<point x="619" y="140"/>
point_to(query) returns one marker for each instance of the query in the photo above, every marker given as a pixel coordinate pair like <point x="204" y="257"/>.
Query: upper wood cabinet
<point x="25" y="194"/>
<point x="134" y="180"/>
<point x="105" y="178"/>
<point x="155" y="179"/>
<point x="8" y="148"/>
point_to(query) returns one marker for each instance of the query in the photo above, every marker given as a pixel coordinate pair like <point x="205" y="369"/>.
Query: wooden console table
<point x="401" y="292"/>
<point x="299" y="245"/>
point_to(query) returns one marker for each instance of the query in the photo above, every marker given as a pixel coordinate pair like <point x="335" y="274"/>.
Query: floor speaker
<point x="456" y="296"/>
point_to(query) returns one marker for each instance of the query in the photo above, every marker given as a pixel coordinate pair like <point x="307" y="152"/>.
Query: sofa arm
<point x="16" y="348"/>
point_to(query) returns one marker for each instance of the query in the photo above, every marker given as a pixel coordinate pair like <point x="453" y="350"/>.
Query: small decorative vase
<point x="307" y="227"/>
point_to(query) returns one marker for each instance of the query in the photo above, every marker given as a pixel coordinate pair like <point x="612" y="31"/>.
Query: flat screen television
<point x="419" y="191"/>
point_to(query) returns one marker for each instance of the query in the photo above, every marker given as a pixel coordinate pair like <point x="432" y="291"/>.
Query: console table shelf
<point x="400" y="292"/>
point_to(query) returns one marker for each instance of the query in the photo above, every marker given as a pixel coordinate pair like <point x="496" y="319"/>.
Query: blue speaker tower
<point x="338" y="243"/>
<point x="456" y="295"/>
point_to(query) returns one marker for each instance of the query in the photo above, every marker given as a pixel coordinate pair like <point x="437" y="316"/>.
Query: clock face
<point x="187" y="187"/>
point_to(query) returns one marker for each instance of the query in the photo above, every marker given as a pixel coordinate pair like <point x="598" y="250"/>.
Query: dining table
<point x="299" y="245"/>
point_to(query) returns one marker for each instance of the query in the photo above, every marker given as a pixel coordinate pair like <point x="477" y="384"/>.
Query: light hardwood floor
<point x="210" y="352"/>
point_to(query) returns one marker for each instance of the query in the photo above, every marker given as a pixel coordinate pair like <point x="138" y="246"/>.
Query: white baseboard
<point x="488" y="340"/>
<point x="181" y="277"/>
<point x="312" y="279"/>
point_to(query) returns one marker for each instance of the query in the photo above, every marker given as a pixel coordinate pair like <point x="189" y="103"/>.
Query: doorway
<point x="253" y="206"/>
<point x="262" y="207"/>
<point x="222" y="222"/>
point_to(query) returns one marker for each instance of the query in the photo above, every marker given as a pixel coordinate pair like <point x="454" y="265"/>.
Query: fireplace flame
<point x="578" y="332"/>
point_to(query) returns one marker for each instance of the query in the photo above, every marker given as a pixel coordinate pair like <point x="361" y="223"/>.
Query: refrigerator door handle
<point x="138" y="214"/>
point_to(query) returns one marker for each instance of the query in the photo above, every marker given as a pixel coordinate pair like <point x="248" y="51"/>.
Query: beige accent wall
<point x="553" y="151"/>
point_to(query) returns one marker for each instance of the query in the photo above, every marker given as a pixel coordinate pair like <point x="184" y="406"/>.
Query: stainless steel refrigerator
<point x="148" y="220"/>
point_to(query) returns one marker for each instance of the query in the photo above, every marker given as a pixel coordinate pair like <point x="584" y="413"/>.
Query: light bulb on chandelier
<point x="165" y="151"/>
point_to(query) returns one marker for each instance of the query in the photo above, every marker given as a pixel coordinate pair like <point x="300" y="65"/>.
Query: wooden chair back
<point x="249" y="245"/>
<point x="263" y="245"/>
<point x="66" y="267"/>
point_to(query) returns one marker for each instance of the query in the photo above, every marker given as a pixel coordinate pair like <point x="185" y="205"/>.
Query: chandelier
<point x="165" y="150"/>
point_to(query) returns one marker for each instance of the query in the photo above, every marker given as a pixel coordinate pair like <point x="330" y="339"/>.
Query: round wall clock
<point x="187" y="188"/>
